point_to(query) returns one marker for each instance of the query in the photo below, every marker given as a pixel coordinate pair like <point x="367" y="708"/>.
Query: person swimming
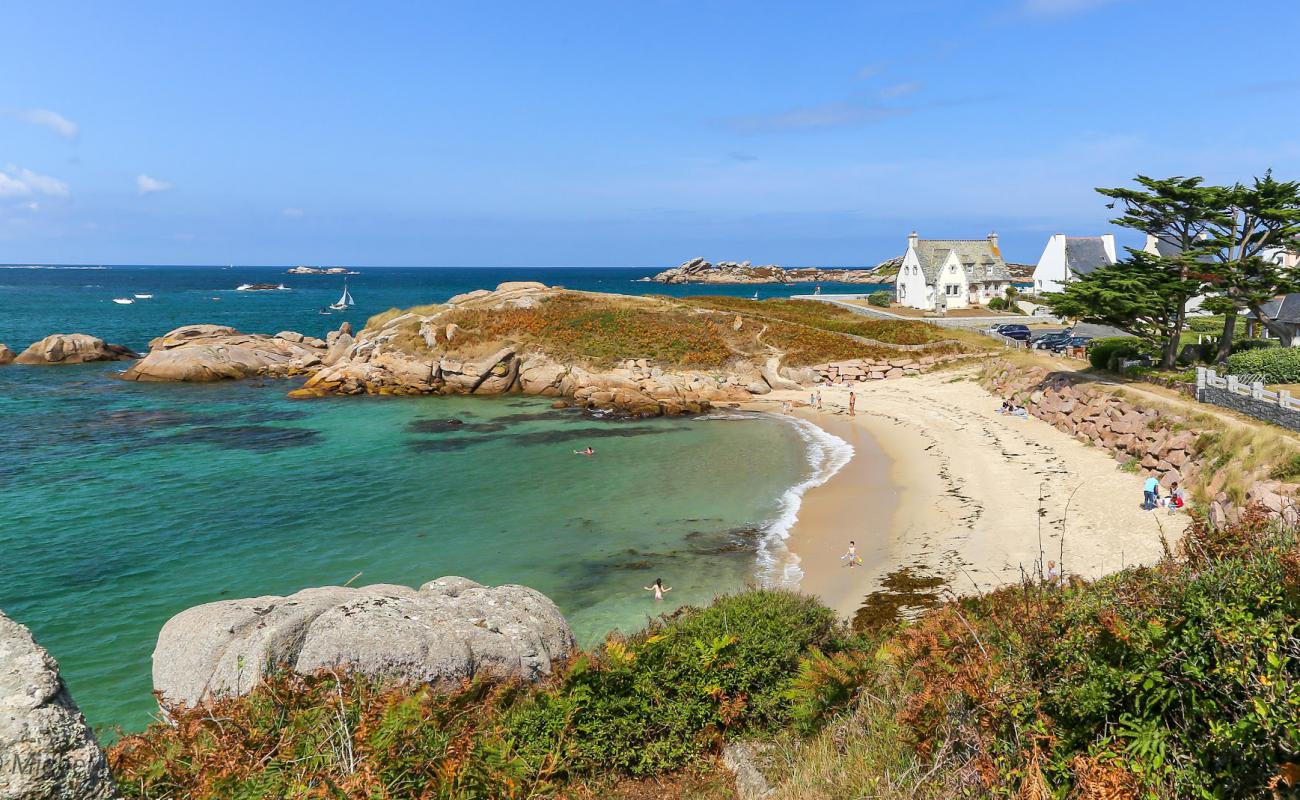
<point x="658" y="588"/>
<point x="586" y="452"/>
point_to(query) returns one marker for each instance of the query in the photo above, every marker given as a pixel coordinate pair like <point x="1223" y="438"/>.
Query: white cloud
<point x="53" y="120"/>
<point x="900" y="90"/>
<point x="20" y="182"/>
<point x="148" y="185"/>
<point x="32" y="206"/>
<point x="292" y="213"/>
<point x="1056" y="8"/>
<point x="870" y="71"/>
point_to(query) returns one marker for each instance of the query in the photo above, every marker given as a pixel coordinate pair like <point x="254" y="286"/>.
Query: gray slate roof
<point x="1284" y="309"/>
<point x="982" y="261"/>
<point x="1084" y="254"/>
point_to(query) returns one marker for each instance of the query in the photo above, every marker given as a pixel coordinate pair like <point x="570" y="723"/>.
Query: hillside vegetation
<point x="1180" y="680"/>
<point x="696" y="333"/>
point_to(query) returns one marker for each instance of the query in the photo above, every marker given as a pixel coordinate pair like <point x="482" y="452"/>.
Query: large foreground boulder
<point x="204" y="353"/>
<point x="73" y="348"/>
<point x="47" y="751"/>
<point x="447" y="630"/>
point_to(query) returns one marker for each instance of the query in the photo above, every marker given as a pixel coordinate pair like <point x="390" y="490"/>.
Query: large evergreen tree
<point x="1249" y="221"/>
<point x="1143" y="294"/>
<point x="1179" y="212"/>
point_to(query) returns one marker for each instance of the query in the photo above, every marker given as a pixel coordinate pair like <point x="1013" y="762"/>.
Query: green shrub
<point x="1242" y="345"/>
<point x="1275" y="364"/>
<point x="881" y="298"/>
<point x="659" y="699"/>
<point x="997" y="304"/>
<point x="1105" y="353"/>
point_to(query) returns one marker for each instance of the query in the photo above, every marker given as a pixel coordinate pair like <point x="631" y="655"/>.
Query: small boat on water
<point x="144" y="297"/>
<point x="260" y="287"/>
<point x="123" y="301"/>
<point x="345" y="302"/>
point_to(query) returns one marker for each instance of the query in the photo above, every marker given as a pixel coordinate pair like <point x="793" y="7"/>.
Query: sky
<point x="616" y="133"/>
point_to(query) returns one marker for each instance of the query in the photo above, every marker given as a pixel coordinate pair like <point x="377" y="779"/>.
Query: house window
<point x="902" y="291"/>
<point x="952" y="290"/>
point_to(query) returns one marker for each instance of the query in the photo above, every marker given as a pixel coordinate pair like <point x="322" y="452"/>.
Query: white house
<point x="940" y="274"/>
<point x="1065" y="258"/>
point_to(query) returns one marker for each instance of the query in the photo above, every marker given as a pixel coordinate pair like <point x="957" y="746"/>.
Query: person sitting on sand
<point x="586" y="452"/>
<point x="852" y="555"/>
<point x="1019" y="411"/>
<point x="1006" y="407"/>
<point x="1177" y="498"/>
<point x="659" y="589"/>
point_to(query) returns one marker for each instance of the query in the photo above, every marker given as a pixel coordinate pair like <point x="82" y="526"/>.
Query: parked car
<point x="1018" y="332"/>
<point x="995" y="328"/>
<point x="1046" y="341"/>
<point x="1070" y="343"/>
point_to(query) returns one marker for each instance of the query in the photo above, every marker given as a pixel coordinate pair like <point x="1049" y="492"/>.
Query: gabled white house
<point x="940" y="274"/>
<point x="1065" y="258"/>
<point x="1159" y="246"/>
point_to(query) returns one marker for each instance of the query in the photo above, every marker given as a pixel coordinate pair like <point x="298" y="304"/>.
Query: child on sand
<point x="852" y="556"/>
<point x="658" y="588"/>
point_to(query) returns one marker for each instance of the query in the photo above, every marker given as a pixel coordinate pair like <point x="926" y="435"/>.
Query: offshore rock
<point x="447" y="630"/>
<point x="204" y="353"/>
<point x="6" y="355"/>
<point x="72" y="348"/>
<point x="48" y="750"/>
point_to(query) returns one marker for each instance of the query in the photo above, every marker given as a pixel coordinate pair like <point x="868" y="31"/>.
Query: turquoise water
<point x="122" y="504"/>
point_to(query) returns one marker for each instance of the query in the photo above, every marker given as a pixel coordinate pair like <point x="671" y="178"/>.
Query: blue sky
<point x="615" y="133"/>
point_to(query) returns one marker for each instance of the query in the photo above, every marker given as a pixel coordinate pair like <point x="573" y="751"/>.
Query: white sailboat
<point x="123" y="301"/>
<point x="345" y="302"/>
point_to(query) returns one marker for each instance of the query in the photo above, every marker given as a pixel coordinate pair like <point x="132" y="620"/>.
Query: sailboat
<point x="345" y="302"/>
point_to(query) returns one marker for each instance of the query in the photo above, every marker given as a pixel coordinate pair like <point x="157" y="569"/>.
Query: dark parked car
<point x="1071" y="343"/>
<point x="1046" y="341"/>
<point x="1018" y="332"/>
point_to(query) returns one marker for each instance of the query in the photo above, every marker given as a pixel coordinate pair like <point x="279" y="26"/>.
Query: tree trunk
<point x="1225" y="341"/>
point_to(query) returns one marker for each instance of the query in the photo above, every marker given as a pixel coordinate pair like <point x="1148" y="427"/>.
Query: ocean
<point x="122" y="504"/>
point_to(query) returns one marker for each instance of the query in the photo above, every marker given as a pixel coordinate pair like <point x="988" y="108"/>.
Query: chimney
<point x="993" y="240"/>
<point x="911" y="239"/>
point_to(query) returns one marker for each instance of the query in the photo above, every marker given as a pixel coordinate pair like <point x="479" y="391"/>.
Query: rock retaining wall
<point x="841" y="372"/>
<point x="1158" y="443"/>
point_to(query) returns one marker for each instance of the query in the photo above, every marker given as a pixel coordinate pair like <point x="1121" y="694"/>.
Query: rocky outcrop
<point x="201" y="353"/>
<point x="447" y="630"/>
<point x="697" y="270"/>
<point x="1152" y="441"/>
<point x="47" y="752"/>
<point x="6" y="355"/>
<point x="319" y="271"/>
<point x="73" y="348"/>
<point x="412" y="354"/>
<point x="854" y="371"/>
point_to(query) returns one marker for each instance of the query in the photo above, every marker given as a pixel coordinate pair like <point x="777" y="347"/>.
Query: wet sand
<point x="943" y="483"/>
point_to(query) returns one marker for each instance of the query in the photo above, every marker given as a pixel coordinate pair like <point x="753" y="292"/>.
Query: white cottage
<point x="1065" y="258"/>
<point x="940" y="274"/>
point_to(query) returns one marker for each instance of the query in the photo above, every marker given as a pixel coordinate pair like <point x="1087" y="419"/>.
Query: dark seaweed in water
<point x="736" y="540"/>
<point x="568" y="436"/>
<point x="259" y="438"/>
<point x="902" y="594"/>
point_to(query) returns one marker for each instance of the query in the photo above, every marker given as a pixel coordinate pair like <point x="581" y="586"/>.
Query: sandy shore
<point x="941" y="482"/>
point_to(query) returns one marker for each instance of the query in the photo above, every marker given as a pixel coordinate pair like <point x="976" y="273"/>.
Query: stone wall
<point x="1156" y="442"/>
<point x="1252" y="399"/>
<point x="842" y="372"/>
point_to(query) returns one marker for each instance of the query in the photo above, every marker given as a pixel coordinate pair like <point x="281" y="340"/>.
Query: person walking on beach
<point x="852" y="555"/>
<point x="658" y="588"/>
<point x="818" y="398"/>
<point x="853" y="401"/>
<point x="1150" y="491"/>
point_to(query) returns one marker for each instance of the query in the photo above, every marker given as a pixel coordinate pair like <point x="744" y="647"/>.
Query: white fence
<point x="1254" y="389"/>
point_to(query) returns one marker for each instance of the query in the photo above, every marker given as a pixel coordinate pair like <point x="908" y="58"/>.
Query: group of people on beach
<point x="1151" y="499"/>
<point x="1011" y="409"/>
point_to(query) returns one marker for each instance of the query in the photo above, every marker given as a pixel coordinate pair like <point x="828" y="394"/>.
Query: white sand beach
<point x="942" y="482"/>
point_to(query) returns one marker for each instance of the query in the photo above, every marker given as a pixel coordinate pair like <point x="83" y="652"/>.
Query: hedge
<point x="1105" y="353"/>
<point x="881" y="298"/>
<point x="1275" y="364"/>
